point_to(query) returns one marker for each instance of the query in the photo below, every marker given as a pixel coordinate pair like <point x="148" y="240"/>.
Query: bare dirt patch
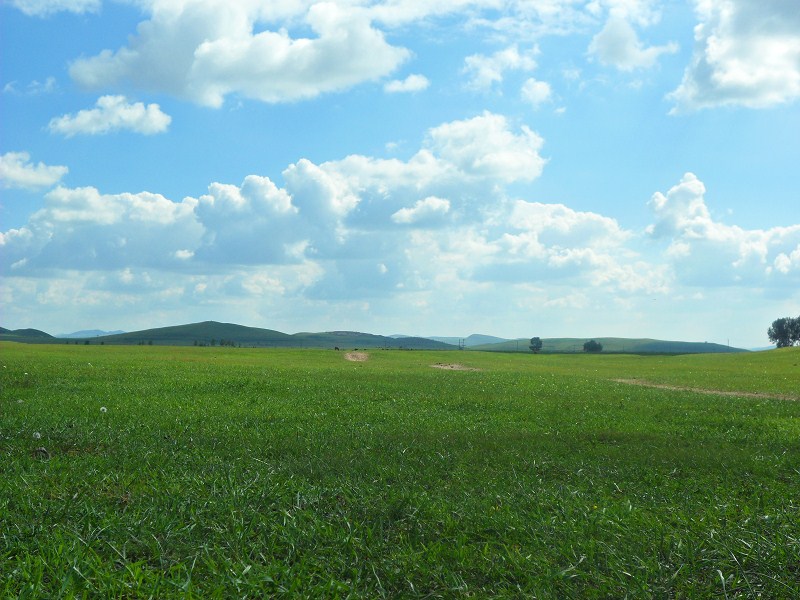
<point x="680" y="388"/>
<point x="356" y="356"/>
<point x="453" y="367"/>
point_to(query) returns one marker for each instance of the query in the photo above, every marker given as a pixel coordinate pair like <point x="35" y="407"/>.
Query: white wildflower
<point x="37" y="435"/>
<point x="103" y="409"/>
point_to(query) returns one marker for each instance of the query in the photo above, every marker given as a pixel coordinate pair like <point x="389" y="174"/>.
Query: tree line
<point x="590" y="346"/>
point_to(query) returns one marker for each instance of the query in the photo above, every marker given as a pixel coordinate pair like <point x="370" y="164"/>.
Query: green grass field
<point x="138" y="472"/>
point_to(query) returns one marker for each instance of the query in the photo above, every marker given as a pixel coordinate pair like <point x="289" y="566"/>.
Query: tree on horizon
<point x="592" y="346"/>
<point x="784" y="332"/>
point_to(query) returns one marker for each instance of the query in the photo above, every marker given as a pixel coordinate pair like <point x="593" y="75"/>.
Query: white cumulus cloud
<point x="17" y="171"/>
<point x="536" y="92"/>
<point x="412" y="83"/>
<point x="34" y="88"/>
<point x="334" y="221"/>
<point x="485" y="71"/>
<point x="43" y="8"/>
<point x="214" y="51"/>
<point x="559" y="225"/>
<point x="429" y="210"/>
<point x="487" y="146"/>
<point x="747" y="53"/>
<point x="254" y="223"/>
<point x="788" y="261"/>
<point x="337" y="236"/>
<point x="707" y="252"/>
<point x="619" y="46"/>
<point x="85" y="230"/>
<point x="113" y="113"/>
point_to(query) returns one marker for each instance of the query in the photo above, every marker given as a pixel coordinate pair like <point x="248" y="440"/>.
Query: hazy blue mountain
<point x="475" y="339"/>
<point x="87" y="333"/>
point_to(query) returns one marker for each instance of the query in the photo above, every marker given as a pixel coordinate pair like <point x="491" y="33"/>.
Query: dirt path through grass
<point x="453" y="367"/>
<point x="680" y="388"/>
<point x="356" y="356"/>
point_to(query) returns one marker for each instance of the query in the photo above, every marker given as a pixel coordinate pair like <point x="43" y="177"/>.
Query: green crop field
<point x="158" y="472"/>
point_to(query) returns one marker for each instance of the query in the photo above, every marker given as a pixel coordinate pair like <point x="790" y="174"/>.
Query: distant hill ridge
<point x="612" y="345"/>
<point x="214" y="333"/>
<point x="476" y="339"/>
<point x="204" y="333"/>
<point x="25" y="335"/>
<point x="87" y="333"/>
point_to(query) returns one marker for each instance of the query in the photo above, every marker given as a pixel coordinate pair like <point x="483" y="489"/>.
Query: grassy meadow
<point x="139" y="472"/>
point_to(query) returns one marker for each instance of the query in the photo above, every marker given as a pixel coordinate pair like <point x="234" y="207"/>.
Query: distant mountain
<point x="476" y="339"/>
<point x="612" y="345"/>
<point x="87" y="333"/>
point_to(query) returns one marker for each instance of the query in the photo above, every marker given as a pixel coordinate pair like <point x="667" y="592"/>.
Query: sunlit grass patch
<point x="233" y="472"/>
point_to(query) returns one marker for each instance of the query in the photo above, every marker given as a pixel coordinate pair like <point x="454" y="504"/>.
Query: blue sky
<point x="518" y="168"/>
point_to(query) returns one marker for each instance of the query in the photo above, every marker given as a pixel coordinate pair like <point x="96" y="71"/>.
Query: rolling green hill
<point x="611" y="345"/>
<point x="354" y="339"/>
<point x="206" y="333"/>
<point x="212" y="333"/>
<point x="25" y="335"/>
